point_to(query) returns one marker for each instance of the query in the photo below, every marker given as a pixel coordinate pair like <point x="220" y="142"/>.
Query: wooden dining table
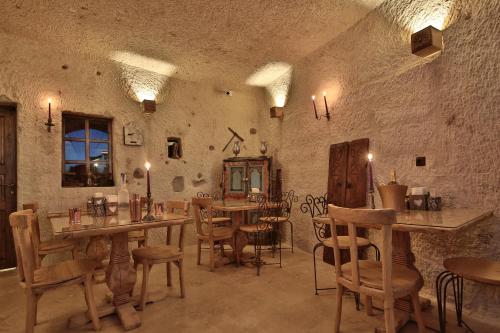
<point x="237" y="209"/>
<point x="120" y="273"/>
<point x="448" y="220"/>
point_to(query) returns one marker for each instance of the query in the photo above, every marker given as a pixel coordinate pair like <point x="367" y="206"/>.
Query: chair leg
<point x="368" y="305"/>
<point x="291" y="233"/>
<point x="212" y="255"/>
<point x="280" y="245"/>
<point x="31" y="307"/>
<point x="169" y="274"/>
<point x="89" y="298"/>
<point x="144" y="289"/>
<point x="338" y="310"/>
<point x="74" y="252"/>
<point x="236" y="252"/>
<point x="198" y="262"/>
<point x="390" y="322"/>
<point x="417" y="310"/>
<point x="181" y="277"/>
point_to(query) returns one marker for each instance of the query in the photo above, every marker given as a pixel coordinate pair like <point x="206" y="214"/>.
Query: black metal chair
<point x="273" y="212"/>
<point x="479" y="270"/>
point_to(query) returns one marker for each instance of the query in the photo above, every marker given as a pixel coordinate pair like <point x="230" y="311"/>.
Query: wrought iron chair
<point x="289" y="197"/>
<point x="273" y="212"/>
<point x="479" y="270"/>
<point x="318" y="207"/>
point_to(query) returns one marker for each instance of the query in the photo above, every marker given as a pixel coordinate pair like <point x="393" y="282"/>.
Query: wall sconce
<point x="277" y="112"/>
<point x="148" y="106"/>
<point x="426" y="41"/>
<point x="327" y="113"/>
<point x="49" y="122"/>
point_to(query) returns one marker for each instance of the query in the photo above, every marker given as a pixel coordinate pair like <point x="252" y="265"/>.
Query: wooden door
<point x="347" y="184"/>
<point x="8" y="184"/>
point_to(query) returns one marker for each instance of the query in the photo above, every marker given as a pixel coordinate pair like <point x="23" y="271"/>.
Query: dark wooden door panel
<point x="355" y="195"/>
<point x="7" y="184"/>
<point x="346" y="185"/>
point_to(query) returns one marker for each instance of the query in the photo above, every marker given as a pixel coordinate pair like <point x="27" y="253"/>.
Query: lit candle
<point x="148" y="166"/>
<point x="370" y="172"/>
<point x="314" y="105"/>
<point x="50" y="116"/>
<point x="326" y="105"/>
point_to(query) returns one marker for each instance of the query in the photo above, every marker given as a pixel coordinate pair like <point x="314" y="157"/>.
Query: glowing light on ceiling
<point x="276" y="77"/>
<point x="144" y="77"/>
<point x="423" y="13"/>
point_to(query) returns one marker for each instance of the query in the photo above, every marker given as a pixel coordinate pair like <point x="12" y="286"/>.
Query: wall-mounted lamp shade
<point x="426" y="41"/>
<point x="277" y="112"/>
<point x="148" y="106"/>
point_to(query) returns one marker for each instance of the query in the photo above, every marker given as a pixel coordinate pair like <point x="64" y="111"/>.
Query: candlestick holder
<point x="327" y="112"/>
<point x="371" y="196"/>
<point x="49" y="122"/>
<point x="149" y="204"/>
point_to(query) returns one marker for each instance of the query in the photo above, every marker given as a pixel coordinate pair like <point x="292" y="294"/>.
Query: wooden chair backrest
<point x="25" y="255"/>
<point x="181" y="205"/>
<point x="34" y="225"/>
<point x="377" y="218"/>
<point x="200" y="204"/>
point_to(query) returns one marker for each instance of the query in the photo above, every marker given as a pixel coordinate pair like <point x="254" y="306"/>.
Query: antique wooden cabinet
<point x="347" y="178"/>
<point x="241" y="174"/>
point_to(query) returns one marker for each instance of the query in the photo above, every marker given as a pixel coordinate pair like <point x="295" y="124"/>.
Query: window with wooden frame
<point x="87" y="151"/>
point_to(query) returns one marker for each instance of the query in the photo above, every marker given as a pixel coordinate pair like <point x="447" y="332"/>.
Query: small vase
<point x="236" y="148"/>
<point x="123" y="195"/>
<point x="263" y="148"/>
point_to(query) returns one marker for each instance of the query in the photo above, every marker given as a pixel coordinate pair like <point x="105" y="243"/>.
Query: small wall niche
<point x="174" y="148"/>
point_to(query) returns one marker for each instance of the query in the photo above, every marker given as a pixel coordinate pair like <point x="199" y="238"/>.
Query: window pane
<point x="99" y="129"/>
<point x="75" y="175"/>
<point x="74" y="128"/>
<point x="99" y="152"/>
<point x="74" y="151"/>
<point x="100" y="174"/>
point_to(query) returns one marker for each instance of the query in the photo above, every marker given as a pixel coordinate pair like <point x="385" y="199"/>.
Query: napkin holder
<point x="393" y="196"/>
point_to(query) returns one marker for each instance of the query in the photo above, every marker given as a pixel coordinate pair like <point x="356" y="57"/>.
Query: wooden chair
<point x="371" y="278"/>
<point x="273" y="213"/>
<point x="36" y="281"/>
<point x="51" y="246"/>
<point x="212" y="233"/>
<point x="479" y="270"/>
<point x="218" y="218"/>
<point x="139" y="236"/>
<point x="317" y="207"/>
<point x="148" y="256"/>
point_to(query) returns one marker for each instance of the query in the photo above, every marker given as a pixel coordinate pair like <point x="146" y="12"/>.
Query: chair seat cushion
<point x="274" y="219"/>
<point x="251" y="228"/>
<point x="404" y="280"/>
<point x="63" y="272"/>
<point x="219" y="233"/>
<point x="344" y="242"/>
<point x="55" y="245"/>
<point x="157" y="253"/>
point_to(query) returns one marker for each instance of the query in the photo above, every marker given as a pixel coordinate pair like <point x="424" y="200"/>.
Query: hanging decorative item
<point x="236" y="148"/>
<point x="132" y="135"/>
<point x="263" y="148"/>
<point x="49" y="122"/>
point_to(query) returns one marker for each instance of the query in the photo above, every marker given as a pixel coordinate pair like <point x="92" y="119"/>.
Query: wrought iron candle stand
<point x="149" y="204"/>
<point x="327" y="113"/>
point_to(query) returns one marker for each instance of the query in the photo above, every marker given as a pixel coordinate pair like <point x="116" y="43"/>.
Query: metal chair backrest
<point x="372" y="218"/>
<point x="316" y="206"/>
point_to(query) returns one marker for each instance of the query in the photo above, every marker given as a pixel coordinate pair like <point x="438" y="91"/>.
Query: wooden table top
<point x="448" y="219"/>
<point x="106" y="225"/>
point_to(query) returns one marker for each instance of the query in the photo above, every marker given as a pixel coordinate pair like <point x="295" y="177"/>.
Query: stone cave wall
<point x="31" y="72"/>
<point x="445" y="107"/>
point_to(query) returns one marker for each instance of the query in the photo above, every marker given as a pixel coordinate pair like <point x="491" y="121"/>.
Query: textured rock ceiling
<point x="212" y="40"/>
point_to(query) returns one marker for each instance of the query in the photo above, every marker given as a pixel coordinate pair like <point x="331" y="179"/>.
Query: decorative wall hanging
<point x="132" y="135"/>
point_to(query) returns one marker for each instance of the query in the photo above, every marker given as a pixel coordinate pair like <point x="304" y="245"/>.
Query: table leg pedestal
<point x="98" y="249"/>
<point x="120" y="278"/>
